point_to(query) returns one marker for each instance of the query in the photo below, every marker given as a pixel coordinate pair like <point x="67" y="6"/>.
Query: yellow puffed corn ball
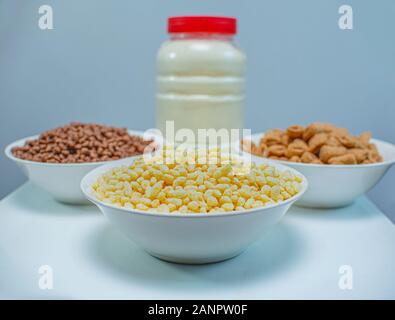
<point x="195" y="182"/>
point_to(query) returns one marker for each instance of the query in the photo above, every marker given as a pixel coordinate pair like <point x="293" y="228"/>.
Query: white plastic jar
<point x="200" y="75"/>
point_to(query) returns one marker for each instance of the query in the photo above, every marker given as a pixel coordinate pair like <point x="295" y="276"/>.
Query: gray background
<point x="98" y="65"/>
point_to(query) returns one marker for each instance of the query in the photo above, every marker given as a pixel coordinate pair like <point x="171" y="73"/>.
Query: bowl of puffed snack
<point x="202" y="207"/>
<point x="338" y="165"/>
<point x="57" y="159"/>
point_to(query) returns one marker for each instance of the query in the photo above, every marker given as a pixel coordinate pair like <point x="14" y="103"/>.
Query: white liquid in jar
<point x="200" y="84"/>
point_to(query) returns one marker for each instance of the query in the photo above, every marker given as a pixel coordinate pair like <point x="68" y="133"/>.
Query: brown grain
<point x="79" y="142"/>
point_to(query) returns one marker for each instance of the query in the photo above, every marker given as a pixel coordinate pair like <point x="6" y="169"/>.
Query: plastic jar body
<point x="200" y="82"/>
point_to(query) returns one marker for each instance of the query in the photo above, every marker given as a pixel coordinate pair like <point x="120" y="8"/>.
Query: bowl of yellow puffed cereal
<point x="339" y="166"/>
<point x="194" y="208"/>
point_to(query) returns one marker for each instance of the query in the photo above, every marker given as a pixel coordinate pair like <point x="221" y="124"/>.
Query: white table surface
<point x="299" y="258"/>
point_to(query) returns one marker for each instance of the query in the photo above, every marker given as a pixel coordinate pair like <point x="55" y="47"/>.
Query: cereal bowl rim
<point x="21" y="142"/>
<point x="95" y="173"/>
<point x="330" y="167"/>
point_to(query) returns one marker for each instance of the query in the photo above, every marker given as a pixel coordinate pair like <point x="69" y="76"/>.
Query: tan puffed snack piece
<point x="372" y="147"/>
<point x="295" y="131"/>
<point x="260" y="150"/>
<point x="308" y="157"/>
<point x="295" y="159"/>
<point x="339" y="132"/>
<point x="285" y="139"/>
<point x="333" y="141"/>
<point x="365" y="137"/>
<point x="248" y="146"/>
<point x="296" y="148"/>
<point x="318" y="143"/>
<point x="373" y="153"/>
<point x="328" y="152"/>
<point x="360" y="154"/>
<point x="316" y="128"/>
<point x="277" y="150"/>
<point x="348" y="141"/>
<point x="348" y="158"/>
<point x="273" y="137"/>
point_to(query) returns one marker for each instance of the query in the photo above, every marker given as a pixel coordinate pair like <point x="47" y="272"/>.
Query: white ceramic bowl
<point x="62" y="180"/>
<point x="332" y="186"/>
<point x="189" y="237"/>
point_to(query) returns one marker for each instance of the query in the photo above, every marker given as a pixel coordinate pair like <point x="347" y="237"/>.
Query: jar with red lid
<point x="200" y="75"/>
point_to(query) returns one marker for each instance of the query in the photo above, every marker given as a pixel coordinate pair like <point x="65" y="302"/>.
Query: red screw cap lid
<point x="205" y="24"/>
